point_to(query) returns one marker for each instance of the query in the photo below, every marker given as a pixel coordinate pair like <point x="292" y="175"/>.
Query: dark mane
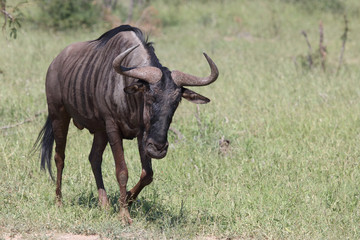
<point x="104" y="38"/>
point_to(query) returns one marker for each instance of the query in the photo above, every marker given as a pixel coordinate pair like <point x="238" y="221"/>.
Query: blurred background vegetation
<point x="154" y="15"/>
<point x="65" y="14"/>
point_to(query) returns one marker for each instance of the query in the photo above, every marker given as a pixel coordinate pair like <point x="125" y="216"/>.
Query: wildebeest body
<point x="90" y="89"/>
<point x="88" y="82"/>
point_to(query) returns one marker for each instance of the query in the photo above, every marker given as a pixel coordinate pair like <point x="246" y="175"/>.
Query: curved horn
<point x="148" y="74"/>
<point x="184" y="79"/>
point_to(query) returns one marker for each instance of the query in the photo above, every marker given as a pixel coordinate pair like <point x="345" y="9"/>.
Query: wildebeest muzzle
<point x="155" y="149"/>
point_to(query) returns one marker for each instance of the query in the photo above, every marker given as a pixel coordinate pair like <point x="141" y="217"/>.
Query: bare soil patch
<point x="53" y="236"/>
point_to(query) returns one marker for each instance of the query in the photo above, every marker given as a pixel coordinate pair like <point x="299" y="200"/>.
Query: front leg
<point x="121" y="170"/>
<point x="146" y="176"/>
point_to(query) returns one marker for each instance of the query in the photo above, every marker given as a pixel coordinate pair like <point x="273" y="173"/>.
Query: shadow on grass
<point x="157" y="213"/>
<point x="151" y="209"/>
<point x="86" y="199"/>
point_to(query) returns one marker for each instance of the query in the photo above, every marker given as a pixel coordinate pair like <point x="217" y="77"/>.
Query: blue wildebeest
<point x="88" y="82"/>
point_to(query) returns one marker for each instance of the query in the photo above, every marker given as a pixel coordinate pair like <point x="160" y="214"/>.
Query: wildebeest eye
<point x="134" y="88"/>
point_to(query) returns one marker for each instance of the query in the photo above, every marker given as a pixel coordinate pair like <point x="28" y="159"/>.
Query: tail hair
<point x="46" y="141"/>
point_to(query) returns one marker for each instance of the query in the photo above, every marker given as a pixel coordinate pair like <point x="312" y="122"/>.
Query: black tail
<point x="46" y="136"/>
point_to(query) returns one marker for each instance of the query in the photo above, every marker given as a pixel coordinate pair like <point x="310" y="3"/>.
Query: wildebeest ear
<point x="134" y="88"/>
<point x="194" y="97"/>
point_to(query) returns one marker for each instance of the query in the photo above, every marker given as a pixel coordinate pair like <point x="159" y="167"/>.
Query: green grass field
<point x="292" y="168"/>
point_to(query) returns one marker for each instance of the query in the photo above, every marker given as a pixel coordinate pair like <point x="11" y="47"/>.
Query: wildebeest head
<point x="162" y="90"/>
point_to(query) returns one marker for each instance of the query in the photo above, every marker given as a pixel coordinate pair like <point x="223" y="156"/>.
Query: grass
<point x="292" y="170"/>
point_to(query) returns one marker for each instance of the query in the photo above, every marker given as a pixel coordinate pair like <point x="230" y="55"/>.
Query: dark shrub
<point x="63" y="14"/>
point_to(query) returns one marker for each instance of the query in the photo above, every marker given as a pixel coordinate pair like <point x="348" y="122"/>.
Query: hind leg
<point x="60" y="124"/>
<point x="99" y="143"/>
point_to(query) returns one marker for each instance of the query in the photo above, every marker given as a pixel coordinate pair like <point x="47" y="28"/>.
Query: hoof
<point x="103" y="200"/>
<point x="58" y="202"/>
<point x="125" y="217"/>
